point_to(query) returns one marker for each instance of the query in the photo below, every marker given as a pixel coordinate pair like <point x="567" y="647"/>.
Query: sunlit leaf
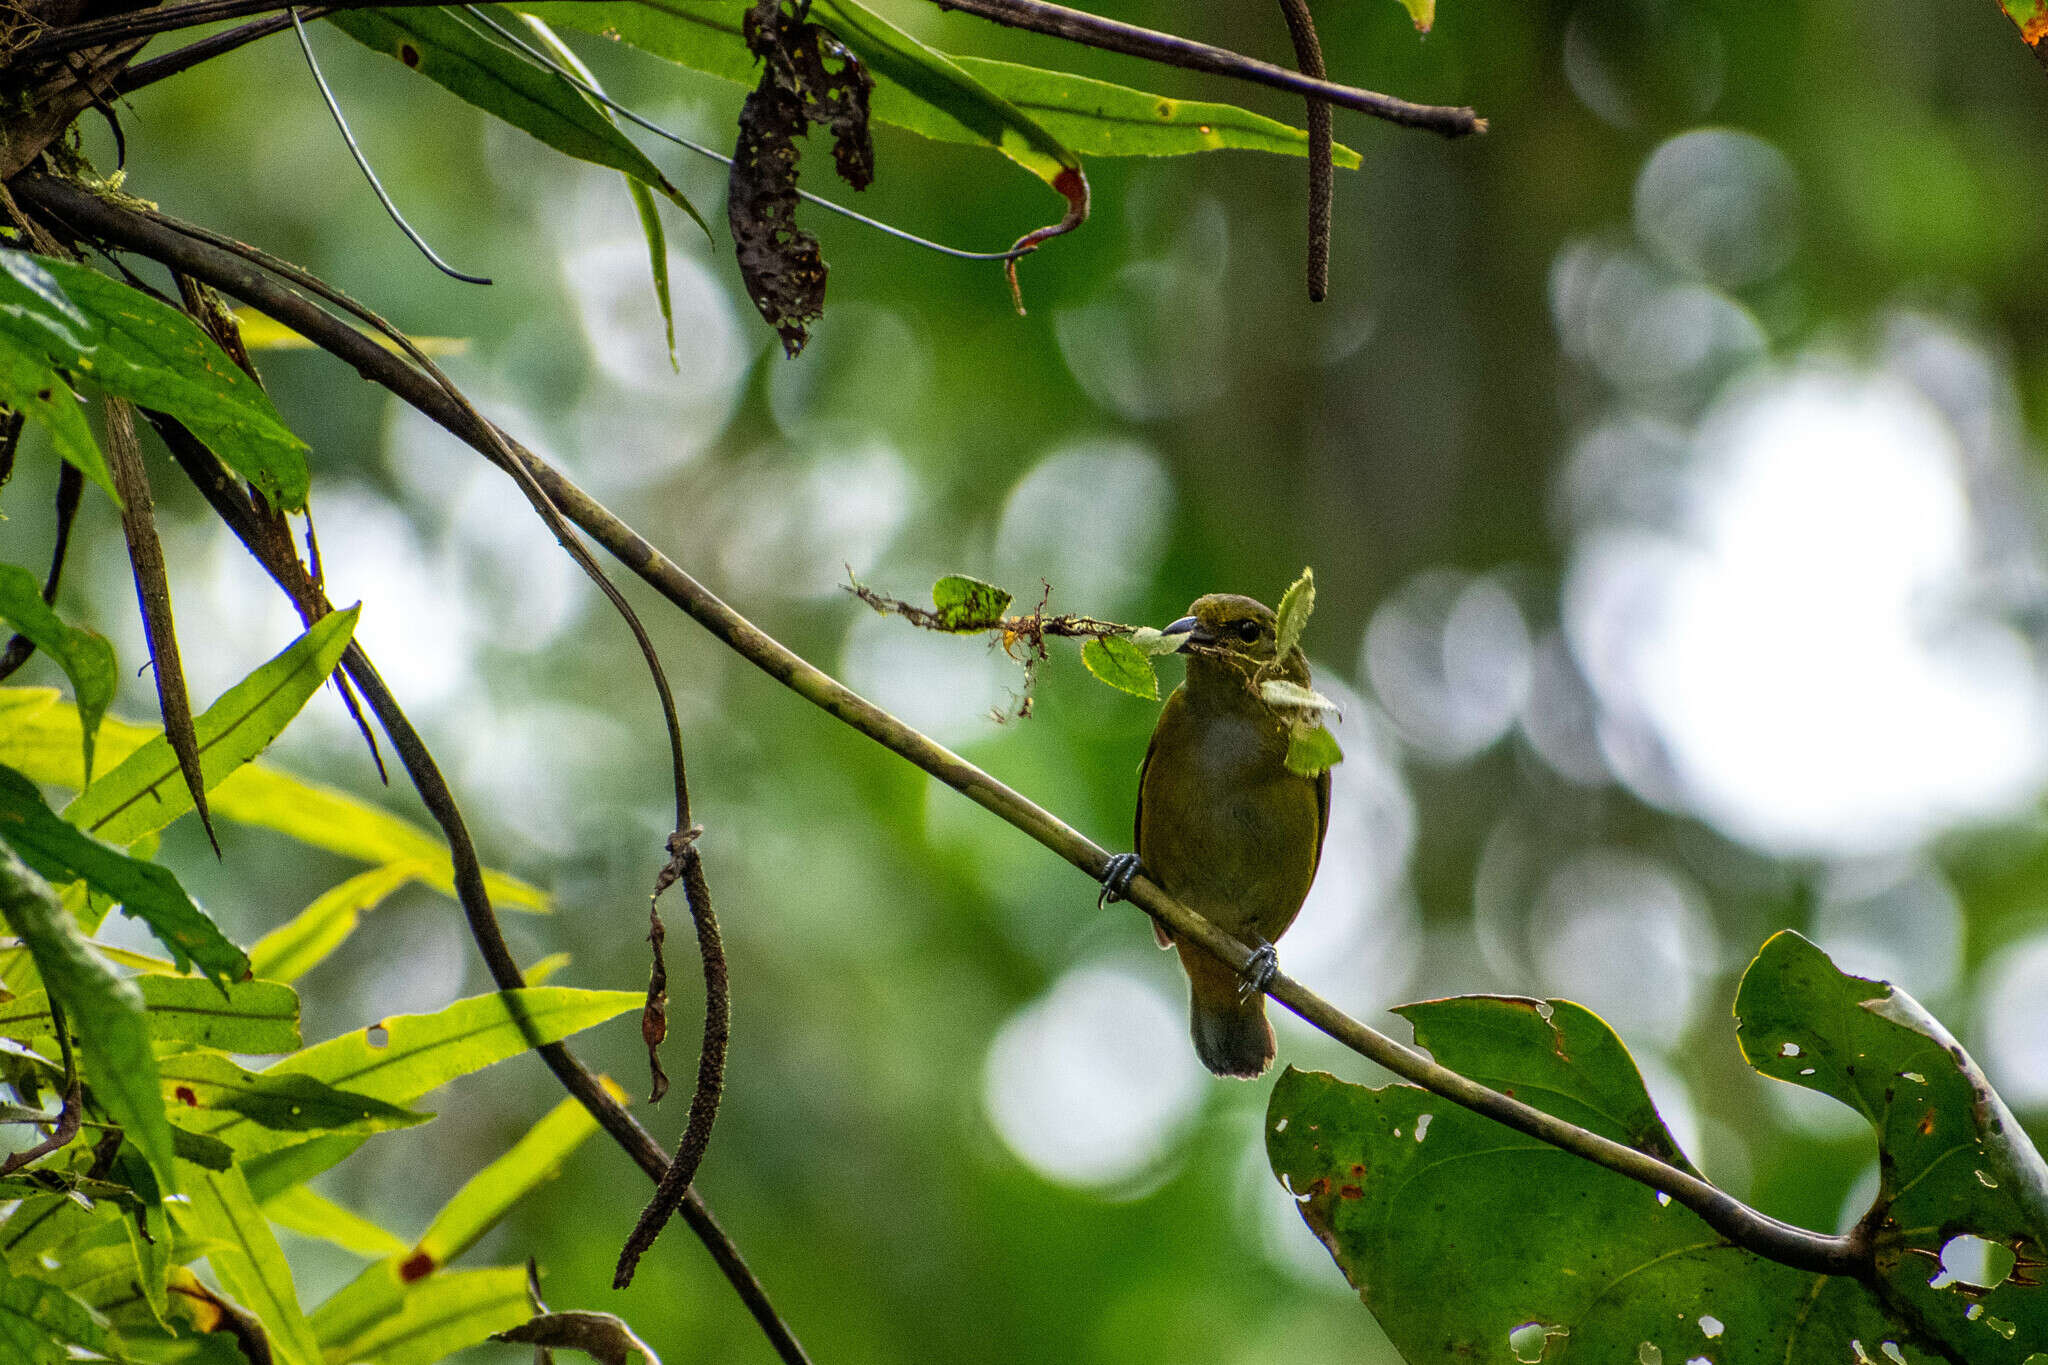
<point x="1422" y="12"/>
<point x="261" y="332"/>
<point x="1295" y="606"/>
<point x="103" y="1010"/>
<point x="481" y="72"/>
<point x="148" y="892"/>
<point x="243" y="1016"/>
<point x="250" y="1266"/>
<point x="1122" y="665"/>
<point x="145" y="793"/>
<point x="38" y="1321"/>
<point x="86" y="658"/>
<point x="1293" y="696"/>
<point x="260" y="1111"/>
<point x="311" y="1214"/>
<point x="39" y="736"/>
<point x="477" y="1207"/>
<point x="302" y="942"/>
<point x="32" y="388"/>
<point x="130" y="346"/>
<point x="1312" y="750"/>
<point x="968" y="604"/>
<point x="440" y="1315"/>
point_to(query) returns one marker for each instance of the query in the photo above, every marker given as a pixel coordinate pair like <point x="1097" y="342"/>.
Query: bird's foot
<point x="1258" y="971"/>
<point x="1116" y="877"/>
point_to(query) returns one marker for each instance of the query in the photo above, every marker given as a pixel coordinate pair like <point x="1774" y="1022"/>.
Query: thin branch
<point x="221" y="492"/>
<point x="1308" y="55"/>
<point x="341" y="122"/>
<point x="205" y="49"/>
<point x="1849" y="1255"/>
<point x="70" y="484"/>
<point x="1058" y="21"/>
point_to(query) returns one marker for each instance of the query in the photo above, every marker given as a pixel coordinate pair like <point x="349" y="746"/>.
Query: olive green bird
<point x="1223" y="825"/>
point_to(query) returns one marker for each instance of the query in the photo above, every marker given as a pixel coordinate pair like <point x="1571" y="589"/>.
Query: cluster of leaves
<point x="140" y="1056"/>
<point x="1539" y="1255"/>
<point x="1121" y="656"/>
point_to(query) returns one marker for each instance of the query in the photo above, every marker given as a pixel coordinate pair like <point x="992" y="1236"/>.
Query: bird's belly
<point x="1234" y="839"/>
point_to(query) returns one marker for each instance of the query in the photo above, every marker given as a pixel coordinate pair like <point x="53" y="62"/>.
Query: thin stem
<point x="1308" y="55"/>
<point x="205" y="49"/>
<point x="1849" y="1255"/>
<point x="1036" y="15"/>
<point x="534" y="56"/>
<point x="70" y="484"/>
<point x="341" y="122"/>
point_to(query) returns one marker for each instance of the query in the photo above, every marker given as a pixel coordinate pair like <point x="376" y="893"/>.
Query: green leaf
<point x="261" y="1111"/>
<point x="146" y="792"/>
<point x="968" y="604"/>
<point x="243" y="1016"/>
<point x="249" y="1264"/>
<point x="310" y="1214"/>
<point x="1295" y="606"/>
<point x="86" y="658"/>
<point x="1150" y="642"/>
<point x="39" y="735"/>
<point x="440" y="1315"/>
<point x="146" y="891"/>
<point x="38" y="1320"/>
<point x="1122" y="665"/>
<point x="1289" y="696"/>
<point x="1422" y="12"/>
<point x="104" y="1011"/>
<point x="479" y="71"/>
<point x="1312" y="750"/>
<point x="130" y="346"/>
<point x="1459" y="1232"/>
<point x="1090" y="117"/>
<point x="32" y="388"/>
<point x="601" y="1335"/>
<point x="477" y="1207"/>
<point x="403" y="1057"/>
<point x="293" y="948"/>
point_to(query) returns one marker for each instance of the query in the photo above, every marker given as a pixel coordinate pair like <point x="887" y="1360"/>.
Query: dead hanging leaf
<point x="599" y="1335"/>
<point x="807" y="76"/>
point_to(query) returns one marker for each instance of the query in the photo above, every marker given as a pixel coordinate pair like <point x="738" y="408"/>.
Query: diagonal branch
<point x="1039" y="16"/>
<point x="1849" y="1255"/>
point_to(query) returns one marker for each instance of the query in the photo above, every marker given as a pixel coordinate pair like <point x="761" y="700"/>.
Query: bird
<point x="1223" y="825"/>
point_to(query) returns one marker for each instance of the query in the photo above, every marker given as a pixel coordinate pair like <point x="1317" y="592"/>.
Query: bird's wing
<point x="1322" y="818"/>
<point x="1138" y="815"/>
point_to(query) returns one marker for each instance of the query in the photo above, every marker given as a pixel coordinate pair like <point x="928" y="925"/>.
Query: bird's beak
<point x="1191" y="633"/>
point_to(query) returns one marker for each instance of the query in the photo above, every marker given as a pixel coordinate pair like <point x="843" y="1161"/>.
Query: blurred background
<point x="1670" y="460"/>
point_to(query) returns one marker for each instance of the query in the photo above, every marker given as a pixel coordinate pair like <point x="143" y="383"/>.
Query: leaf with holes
<point x="100" y="331"/>
<point x="146" y="792"/>
<point x="1540" y="1255"/>
<point x="968" y="604"/>
<point x="86" y="658"/>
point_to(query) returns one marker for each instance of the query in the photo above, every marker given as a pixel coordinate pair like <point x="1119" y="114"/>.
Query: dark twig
<point x="69" y="1112"/>
<point x="1850" y="1254"/>
<point x="1036" y="15"/>
<point x="153" y="591"/>
<point x="205" y="49"/>
<point x="1308" y="55"/>
<point x="341" y="122"/>
<point x="70" y="484"/>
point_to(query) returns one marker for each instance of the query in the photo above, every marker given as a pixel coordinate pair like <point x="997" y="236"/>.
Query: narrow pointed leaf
<point x="310" y="1214"/>
<point x="86" y="658"/>
<point x="440" y="1315"/>
<point x="103" y="1010"/>
<point x="1296" y="604"/>
<point x="38" y="1321"/>
<point x="146" y="891"/>
<point x="249" y="1264"/>
<point x="503" y="84"/>
<point x="287" y="952"/>
<point x="141" y="796"/>
<point x="130" y="346"/>
<point x="39" y="736"/>
<point x="261" y="1111"/>
<point x="243" y="1016"/>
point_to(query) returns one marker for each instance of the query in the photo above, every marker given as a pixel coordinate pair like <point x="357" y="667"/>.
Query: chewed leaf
<point x="1312" y="751"/>
<point x="1295" y="605"/>
<point x="1280" y="692"/>
<point x="968" y="604"/>
<point x="1122" y="665"/>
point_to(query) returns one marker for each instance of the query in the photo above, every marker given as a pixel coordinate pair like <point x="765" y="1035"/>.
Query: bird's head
<point x="1225" y="623"/>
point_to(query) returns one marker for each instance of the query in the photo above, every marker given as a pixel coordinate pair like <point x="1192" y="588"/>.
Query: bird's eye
<point x="1248" y="631"/>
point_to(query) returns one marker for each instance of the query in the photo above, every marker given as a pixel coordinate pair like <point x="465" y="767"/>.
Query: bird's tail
<point x="1231" y="1034"/>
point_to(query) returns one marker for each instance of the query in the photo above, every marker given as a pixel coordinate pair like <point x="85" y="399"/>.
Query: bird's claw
<point x="1116" y="877"/>
<point x="1258" y="971"/>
